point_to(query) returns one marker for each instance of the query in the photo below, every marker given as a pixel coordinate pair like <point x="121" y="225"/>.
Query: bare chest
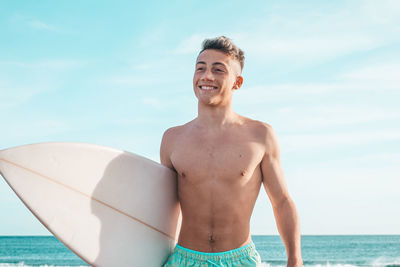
<point x="224" y="158"/>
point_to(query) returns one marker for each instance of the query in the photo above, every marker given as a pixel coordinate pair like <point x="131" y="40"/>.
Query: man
<point x="221" y="159"/>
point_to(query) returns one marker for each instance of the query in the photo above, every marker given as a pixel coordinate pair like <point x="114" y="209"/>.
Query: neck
<point x="216" y="117"/>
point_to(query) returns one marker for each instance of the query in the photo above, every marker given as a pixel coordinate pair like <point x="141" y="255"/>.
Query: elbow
<point x="282" y="202"/>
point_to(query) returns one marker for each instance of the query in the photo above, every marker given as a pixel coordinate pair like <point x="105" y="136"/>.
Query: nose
<point x="207" y="76"/>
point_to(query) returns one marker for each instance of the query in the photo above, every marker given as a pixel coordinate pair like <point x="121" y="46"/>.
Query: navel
<point x="211" y="238"/>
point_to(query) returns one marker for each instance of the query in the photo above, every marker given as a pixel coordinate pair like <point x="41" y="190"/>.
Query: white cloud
<point x="20" y="81"/>
<point x="49" y="64"/>
<point x="336" y="180"/>
<point x="192" y="44"/>
<point x="363" y="193"/>
<point x="351" y="82"/>
<point x="32" y="129"/>
<point x="36" y="24"/>
<point x="308" y="142"/>
<point x="382" y="12"/>
<point x="284" y="91"/>
<point x="362" y="196"/>
<point x="308" y="38"/>
<point x="143" y="66"/>
<point x="32" y="22"/>
<point x="311" y="117"/>
<point x="153" y="36"/>
<point x="127" y="80"/>
<point x="14" y="92"/>
<point x="298" y="104"/>
<point x="304" y="49"/>
<point x="388" y="159"/>
<point x="152" y="102"/>
<point x="385" y="73"/>
<point x="12" y="96"/>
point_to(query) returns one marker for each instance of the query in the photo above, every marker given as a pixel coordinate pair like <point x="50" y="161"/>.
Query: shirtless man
<point x="221" y="159"/>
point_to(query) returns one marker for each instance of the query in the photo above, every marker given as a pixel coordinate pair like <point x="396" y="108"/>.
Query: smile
<point x="207" y="87"/>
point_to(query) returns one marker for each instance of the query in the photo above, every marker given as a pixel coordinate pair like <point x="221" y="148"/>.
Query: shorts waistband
<point x="226" y="255"/>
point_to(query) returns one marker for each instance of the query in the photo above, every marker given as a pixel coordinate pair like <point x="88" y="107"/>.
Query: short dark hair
<point x="225" y="45"/>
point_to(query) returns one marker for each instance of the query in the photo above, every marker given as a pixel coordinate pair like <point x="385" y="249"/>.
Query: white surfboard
<point x="110" y="207"/>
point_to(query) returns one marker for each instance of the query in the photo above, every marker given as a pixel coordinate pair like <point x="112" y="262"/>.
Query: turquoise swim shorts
<point x="246" y="256"/>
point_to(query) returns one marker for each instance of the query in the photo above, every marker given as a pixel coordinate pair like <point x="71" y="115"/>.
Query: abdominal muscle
<point x="216" y="211"/>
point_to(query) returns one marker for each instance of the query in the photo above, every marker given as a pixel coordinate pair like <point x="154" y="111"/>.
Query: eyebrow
<point x="215" y="63"/>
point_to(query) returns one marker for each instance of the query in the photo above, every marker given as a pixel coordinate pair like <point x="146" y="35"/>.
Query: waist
<point x="240" y="252"/>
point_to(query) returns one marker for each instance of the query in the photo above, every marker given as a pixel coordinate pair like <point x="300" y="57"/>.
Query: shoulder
<point x="265" y="135"/>
<point x="165" y="149"/>
<point x="262" y="130"/>
<point x="173" y="133"/>
<point x="168" y="141"/>
<point x="169" y="137"/>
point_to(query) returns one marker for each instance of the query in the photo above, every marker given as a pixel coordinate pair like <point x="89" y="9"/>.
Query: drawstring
<point x="213" y="263"/>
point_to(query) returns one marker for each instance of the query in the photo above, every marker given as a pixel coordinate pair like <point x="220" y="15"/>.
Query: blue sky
<point x="324" y="74"/>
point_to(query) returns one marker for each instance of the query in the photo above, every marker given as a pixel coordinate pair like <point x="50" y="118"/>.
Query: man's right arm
<point x="165" y="148"/>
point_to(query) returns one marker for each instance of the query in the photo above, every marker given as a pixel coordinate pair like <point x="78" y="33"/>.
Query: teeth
<point x="207" y="87"/>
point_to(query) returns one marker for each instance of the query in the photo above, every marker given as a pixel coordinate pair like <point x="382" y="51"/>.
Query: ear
<point x="238" y="83"/>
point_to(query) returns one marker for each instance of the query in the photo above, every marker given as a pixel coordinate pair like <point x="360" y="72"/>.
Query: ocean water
<point x="335" y="250"/>
<point x="318" y="251"/>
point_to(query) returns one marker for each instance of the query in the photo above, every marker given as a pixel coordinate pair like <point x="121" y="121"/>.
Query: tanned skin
<point x="221" y="159"/>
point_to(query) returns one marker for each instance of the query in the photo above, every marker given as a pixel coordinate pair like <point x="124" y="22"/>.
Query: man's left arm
<point x="284" y="208"/>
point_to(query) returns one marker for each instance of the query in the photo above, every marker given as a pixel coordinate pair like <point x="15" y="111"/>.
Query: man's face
<point x="216" y="76"/>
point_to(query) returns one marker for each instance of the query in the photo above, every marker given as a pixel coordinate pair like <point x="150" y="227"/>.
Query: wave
<point x="386" y="262"/>
<point x="22" y="264"/>
<point x="266" y="264"/>
<point x="379" y="262"/>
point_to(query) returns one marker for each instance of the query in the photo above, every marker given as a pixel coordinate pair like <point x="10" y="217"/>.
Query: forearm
<point x="289" y="229"/>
